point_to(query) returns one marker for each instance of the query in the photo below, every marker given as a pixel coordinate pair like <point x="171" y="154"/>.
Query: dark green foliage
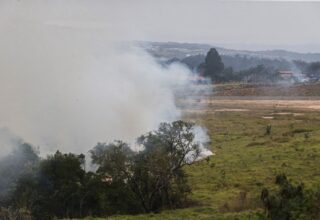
<point x="125" y="182"/>
<point x="59" y="187"/>
<point x="114" y="161"/>
<point x="213" y="66"/>
<point x="60" y="179"/>
<point x="268" y="130"/>
<point x="291" y="202"/>
<point x="21" y="161"/>
<point x="54" y="189"/>
<point x="154" y="176"/>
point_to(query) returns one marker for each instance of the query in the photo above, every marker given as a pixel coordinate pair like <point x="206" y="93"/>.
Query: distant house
<point x="290" y="76"/>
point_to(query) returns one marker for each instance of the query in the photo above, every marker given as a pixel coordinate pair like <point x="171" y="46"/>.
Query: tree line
<point x="123" y="181"/>
<point x="226" y="68"/>
<point x="214" y="68"/>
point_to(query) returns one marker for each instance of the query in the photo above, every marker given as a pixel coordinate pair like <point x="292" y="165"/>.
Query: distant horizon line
<point x="309" y="48"/>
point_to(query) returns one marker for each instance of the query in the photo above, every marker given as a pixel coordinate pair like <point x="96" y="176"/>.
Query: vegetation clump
<point x="268" y="129"/>
<point x="125" y="182"/>
<point x="290" y="202"/>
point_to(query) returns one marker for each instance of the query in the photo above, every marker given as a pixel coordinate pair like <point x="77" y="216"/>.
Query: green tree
<point x="213" y="67"/>
<point x="289" y="203"/>
<point x="21" y="161"/>
<point x="60" y="179"/>
<point x="53" y="189"/>
<point x="154" y="175"/>
<point x="115" y="164"/>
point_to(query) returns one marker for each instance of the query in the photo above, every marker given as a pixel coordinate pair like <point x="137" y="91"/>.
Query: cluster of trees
<point x="236" y="62"/>
<point x="312" y="70"/>
<point x="234" y="68"/>
<point x="20" y="162"/>
<point x="242" y="62"/>
<point x="124" y="181"/>
<point x="214" y="68"/>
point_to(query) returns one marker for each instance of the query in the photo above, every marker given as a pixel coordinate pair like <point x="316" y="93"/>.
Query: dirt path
<point x="245" y="104"/>
<point x="294" y="104"/>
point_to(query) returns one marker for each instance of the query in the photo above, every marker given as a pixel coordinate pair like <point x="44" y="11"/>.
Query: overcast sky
<point x="240" y="24"/>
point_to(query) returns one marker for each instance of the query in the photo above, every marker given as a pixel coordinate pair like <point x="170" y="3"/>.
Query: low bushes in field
<point x="290" y="202"/>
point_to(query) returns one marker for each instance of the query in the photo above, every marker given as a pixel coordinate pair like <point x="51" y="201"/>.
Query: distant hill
<point x="288" y="55"/>
<point x="171" y="50"/>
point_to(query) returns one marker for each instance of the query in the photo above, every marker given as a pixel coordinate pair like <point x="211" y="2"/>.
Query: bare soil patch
<point x="290" y="104"/>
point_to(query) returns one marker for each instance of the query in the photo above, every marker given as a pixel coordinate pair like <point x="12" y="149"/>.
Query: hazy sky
<point x="64" y="83"/>
<point x="237" y="23"/>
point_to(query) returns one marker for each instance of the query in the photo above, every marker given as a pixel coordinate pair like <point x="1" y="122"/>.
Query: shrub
<point x="268" y="130"/>
<point x="291" y="202"/>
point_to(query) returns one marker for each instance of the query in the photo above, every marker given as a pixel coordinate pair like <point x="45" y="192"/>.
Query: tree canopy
<point x="154" y="175"/>
<point x="213" y="65"/>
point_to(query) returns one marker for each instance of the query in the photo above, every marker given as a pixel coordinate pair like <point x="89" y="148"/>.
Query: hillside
<point x="171" y="50"/>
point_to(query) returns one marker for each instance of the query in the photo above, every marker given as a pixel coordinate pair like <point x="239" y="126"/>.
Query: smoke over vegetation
<point x="67" y="85"/>
<point x="7" y="141"/>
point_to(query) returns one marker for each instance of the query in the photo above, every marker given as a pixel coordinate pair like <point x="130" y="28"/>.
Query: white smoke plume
<point x="8" y="141"/>
<point x="65" y="84"/>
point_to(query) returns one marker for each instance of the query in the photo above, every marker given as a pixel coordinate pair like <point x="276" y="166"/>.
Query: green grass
<point x="228" y="185"/>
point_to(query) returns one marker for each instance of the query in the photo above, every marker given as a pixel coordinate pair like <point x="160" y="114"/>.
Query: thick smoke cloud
<point x="66" y="84"/>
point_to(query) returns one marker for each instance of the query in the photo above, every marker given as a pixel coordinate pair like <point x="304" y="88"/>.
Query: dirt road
<point x="243" y="104"/>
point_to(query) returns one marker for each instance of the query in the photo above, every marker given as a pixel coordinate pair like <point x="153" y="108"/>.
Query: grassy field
<point x="228" y="184"/>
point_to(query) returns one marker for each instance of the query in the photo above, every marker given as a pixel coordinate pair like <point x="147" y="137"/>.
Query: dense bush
<point x="291" y="202"/>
